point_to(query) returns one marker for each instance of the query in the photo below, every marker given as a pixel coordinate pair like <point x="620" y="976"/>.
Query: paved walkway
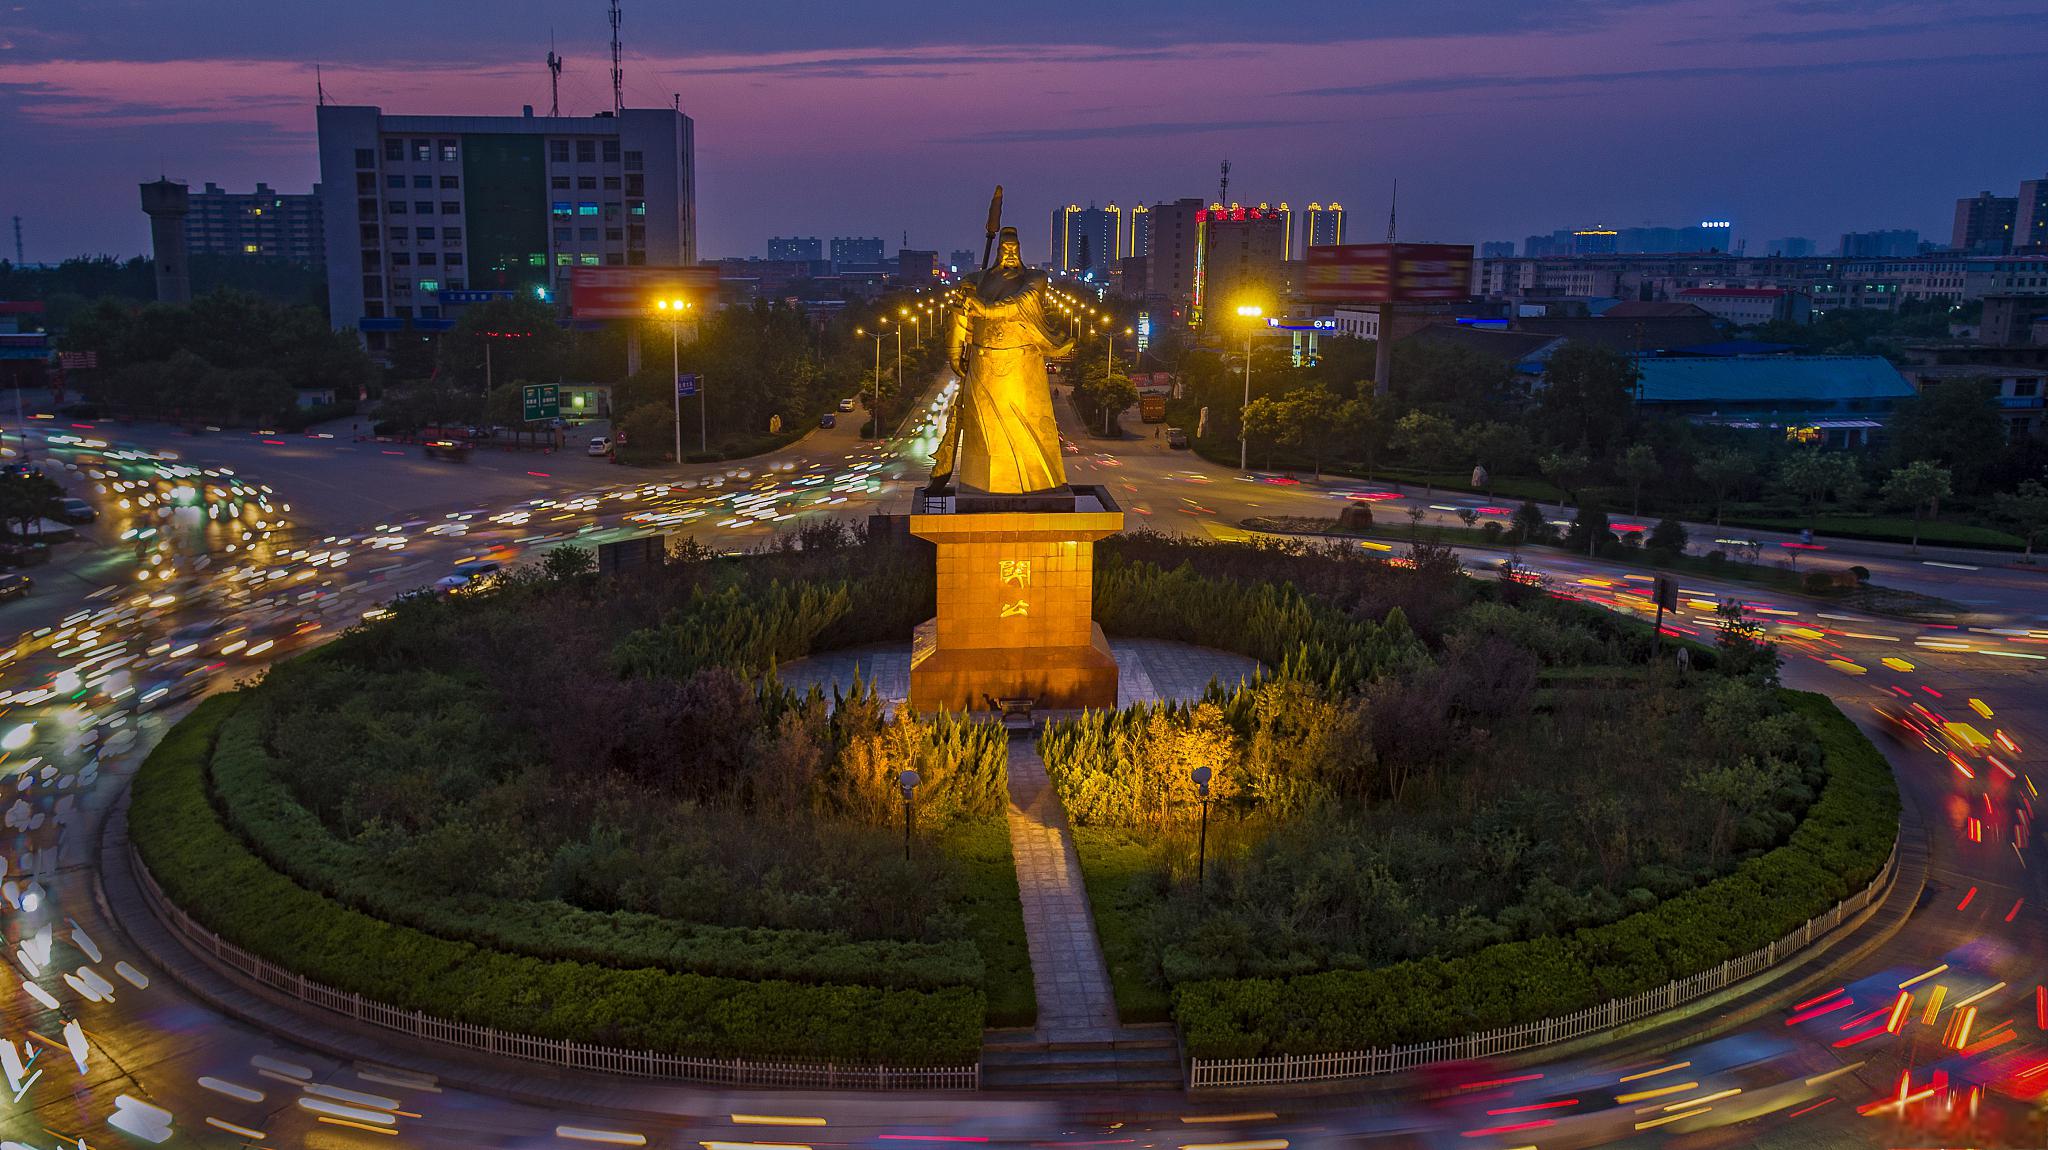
<point x="1149" y="670"/>
<point x="1067" y="970"/>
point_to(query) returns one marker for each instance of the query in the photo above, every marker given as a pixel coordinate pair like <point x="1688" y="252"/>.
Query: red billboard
<point x="623" y="293"/>
<point x="1386" y="273"/>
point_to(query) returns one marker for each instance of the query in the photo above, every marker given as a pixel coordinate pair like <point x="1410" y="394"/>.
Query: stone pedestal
<point x="1016" y="592"/>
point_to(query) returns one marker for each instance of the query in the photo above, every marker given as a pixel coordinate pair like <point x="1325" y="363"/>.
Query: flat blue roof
<point x="1771" y="378"/>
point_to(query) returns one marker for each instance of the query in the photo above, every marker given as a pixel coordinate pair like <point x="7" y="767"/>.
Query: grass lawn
<point x="996" y="916"/>
<point x="1892" y="529"/>
<point x="1508" y="488"/>
<point x="1118" y="871"/>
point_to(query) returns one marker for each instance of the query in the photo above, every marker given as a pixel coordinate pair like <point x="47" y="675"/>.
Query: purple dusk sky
<point x="863" y="117"/>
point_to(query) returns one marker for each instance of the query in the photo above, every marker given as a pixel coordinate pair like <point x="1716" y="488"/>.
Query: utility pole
<point x="618" y="73"/>
<point x="1383" y="348"/>
<point x="19" y="259"/>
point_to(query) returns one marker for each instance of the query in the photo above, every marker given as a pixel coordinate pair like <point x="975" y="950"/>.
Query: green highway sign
<point x="540" y="401"/>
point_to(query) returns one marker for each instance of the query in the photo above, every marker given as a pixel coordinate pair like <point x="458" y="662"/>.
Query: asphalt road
<point x="362" y="526"/>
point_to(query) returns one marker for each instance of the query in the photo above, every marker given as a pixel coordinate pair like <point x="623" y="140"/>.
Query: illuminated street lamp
<point x="1201" y="776"/>
<point x="875" y="405"/>
<point x="674" y="309"/>
<point x="1251" y="313"/>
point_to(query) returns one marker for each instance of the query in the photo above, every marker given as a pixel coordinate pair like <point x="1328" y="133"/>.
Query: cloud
<point x="1475" y="83"/>
<point x="1124" y="131"/>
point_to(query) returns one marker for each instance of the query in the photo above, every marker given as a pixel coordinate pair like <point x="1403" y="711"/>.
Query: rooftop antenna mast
<point x="554" y="78"/>
<point x="1223" y="187"/>
<point x="618" y="74"/>
<point x="19" y="259"/>
<point x="1393" y="205"/>
<point x="319" y="88"/>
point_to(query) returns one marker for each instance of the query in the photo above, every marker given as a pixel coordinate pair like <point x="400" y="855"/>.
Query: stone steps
<point x="1126" y="1058"/>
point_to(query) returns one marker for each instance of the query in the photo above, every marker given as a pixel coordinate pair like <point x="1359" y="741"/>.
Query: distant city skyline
<point x="1500" y="120"/>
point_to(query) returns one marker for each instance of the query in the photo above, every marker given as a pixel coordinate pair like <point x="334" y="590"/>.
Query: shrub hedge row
<point x="1837" y="849"/>
<point x="205" y="869"/>
<point x="292" y="840"/>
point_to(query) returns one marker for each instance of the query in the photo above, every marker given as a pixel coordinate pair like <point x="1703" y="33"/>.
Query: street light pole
<point x="879" y="434"/>
<point x="1244" y="436"/>
<point x="1201" y="776"/>
<point x="908" y="781"/>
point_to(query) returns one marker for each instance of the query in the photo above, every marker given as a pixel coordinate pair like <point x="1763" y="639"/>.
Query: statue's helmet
<point x="1008" y="249"/>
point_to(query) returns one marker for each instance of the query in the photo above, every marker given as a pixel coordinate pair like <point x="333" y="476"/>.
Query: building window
<point x="430" y="285"/>
<point x="366" y="209"/>
<point x="447" y="151"/>
<point x="586" y="208"/>
<point x="611" y="151"/>
<point x="422" y="151"/>
<point x="401" y="259"/>
<point x="632" y="161"/>
<point x="636" y="185"/>
<point x="561" y="235"/>
<point x="373" y="287"/>
<point x="369" y="257"/>
<point x="366" y="183"/>
<point x="636" y="258"/>
<point x="637" y="208"/>
<point x="558" y="151"/>
<point x="452" y="259"/>
<point x="428" y="259"/>
<point x="611" y="213"/>
<point x="611" y="183"/>
<point x="394" y="150"/>
<point x="2022" y="389"/>
<point x="451" y="208"/>
<point x="559" y="183"/>
<point x="564" y="259"/>
<point x="586" y="183"/>
<point x="366" y="157"/>
<point x="373" y="310"/>
<point x="394" y="181"/>
<point x="371" y="234"/>
<point x="399" y="236"/>
<point x="423" y="207"/>
<point x="423" y="181"/>
<point x="564" y="208"/>
<point x="587" y="235"/>
<point x="397" y="207"/>
<point x="452" y="235"/>
<point x="614" y="234"/>
<point x="455" y="285"/>
<point x="586" y="151"/>
<point x="588" y="259"/>
<point x="424" y="233"/>
<point x="404" y="310"/>
<point x="537" y="259"/>
<point x="449" y="183"/>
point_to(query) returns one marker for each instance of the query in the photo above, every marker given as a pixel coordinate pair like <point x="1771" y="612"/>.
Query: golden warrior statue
<point x="1000" y="437"/>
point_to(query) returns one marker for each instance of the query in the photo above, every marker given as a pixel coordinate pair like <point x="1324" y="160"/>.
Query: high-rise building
<point x="167" y="203"/>
<point x="418" y="206"/>
<point x="856" y="251"/>
<point x="1595" y="241"/>
<point x="962" y="260"/>
<point x="1242" y="257"/>
<point x="263" y="224"/>
<point x="2030" y="215"/>
<point x="916" y="267"/>
<point x="795" y="248"/>
<point x="1140" y="230"/>
<point x="1897" y="243"/>
<point x="1791" y="247"/>
<point x="1171" y="235"/>
<point x="1323" y="225"/>
<point x="1086" y="239"/>
<point x="1497" y="250"/>
<point x="1984" y="224"/>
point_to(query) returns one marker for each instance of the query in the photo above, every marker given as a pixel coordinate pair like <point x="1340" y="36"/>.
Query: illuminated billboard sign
<point x="1386" y="273"/>
<point x="622" y="293"/>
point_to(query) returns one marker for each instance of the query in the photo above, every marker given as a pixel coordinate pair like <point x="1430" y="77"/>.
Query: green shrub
<point x="204" y="869"/>
<point x="289" y="838"/>
<point x="1837" y="848"/>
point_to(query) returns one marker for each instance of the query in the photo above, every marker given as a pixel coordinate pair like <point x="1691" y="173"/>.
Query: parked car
<point x="828" y="421"/>
<point x="14" y="585"/>
<point x="599" y="445"/>
<point x="846" y="405"/>
<point x="72" y="509"/>
<point x="1176" y="438"/>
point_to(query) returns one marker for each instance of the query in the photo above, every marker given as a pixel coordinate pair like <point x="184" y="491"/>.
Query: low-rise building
<point x="1835" y="400"/>
<point x="1749" y="307"/>
<point x="2018" y="391"/>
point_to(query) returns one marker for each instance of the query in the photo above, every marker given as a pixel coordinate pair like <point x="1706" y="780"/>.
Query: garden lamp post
<point x="908" y="780"/>
<point x="1251" y="314"/>
<point x="875" y="408"/>
<point x="1201" y="776"/>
